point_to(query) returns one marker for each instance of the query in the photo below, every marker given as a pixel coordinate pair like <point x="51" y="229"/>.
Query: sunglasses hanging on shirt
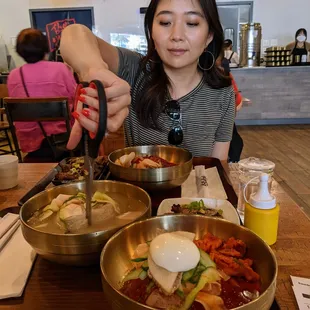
<point x="173" y="110"/>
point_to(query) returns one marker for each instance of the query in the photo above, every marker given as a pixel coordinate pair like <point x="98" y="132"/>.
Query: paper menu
<point x="301" y="288"/>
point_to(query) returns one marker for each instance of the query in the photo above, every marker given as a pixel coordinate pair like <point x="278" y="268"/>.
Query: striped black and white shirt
<point x="207" y="114"/>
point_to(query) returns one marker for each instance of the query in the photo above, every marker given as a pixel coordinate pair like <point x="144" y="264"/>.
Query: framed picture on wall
<point x="52" y="21"/>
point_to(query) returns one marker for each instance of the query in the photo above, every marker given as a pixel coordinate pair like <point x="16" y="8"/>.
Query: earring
<point x="213" y="62"/>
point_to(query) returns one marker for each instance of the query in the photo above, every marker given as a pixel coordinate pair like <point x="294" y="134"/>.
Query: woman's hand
<point x="118" y="97"/>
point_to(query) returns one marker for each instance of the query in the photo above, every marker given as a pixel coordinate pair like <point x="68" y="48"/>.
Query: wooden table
<point x="28" y="176"/>
<point x="293" y="245"/>
<point x="52" y="286"/>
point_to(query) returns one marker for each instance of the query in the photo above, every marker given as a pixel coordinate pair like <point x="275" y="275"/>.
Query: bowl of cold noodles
<point x="152" y="167"/>
<point x="54" y="221"/>
<point x="188" y="262"/>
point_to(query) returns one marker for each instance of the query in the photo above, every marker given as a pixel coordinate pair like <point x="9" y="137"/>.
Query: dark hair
<point x="32" y="45"/>
<point x="227" y="43"/>
<point x="223" y="63"/>
<point x="299" y="31"/>
<point x="155" y="86"/>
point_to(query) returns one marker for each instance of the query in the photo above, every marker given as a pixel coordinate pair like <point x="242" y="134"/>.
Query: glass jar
<point x="248" y="169"/>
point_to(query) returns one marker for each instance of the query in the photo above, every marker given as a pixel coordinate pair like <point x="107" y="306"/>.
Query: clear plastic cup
<point x="248" y="169"/>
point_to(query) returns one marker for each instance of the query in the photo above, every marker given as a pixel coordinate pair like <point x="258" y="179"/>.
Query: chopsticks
<point x="8" y="225"/>
<point x="7" y="222"/>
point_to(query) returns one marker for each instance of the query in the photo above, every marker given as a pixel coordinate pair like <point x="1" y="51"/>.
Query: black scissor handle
<point x="95" y="141"/>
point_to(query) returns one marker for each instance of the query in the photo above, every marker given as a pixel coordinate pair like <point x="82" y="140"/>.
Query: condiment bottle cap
<point x="262" y="198"/>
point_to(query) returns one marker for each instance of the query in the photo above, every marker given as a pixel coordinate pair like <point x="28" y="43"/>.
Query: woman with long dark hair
<point x="179" y="95"/>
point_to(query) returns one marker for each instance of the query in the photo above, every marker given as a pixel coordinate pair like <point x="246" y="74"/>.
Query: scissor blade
<point x="89" y="186"/>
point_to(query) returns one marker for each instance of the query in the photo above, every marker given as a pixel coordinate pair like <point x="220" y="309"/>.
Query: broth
<point x="109" y="220"/>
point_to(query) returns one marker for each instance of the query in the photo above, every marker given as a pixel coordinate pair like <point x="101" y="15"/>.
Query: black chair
<point x="39" y="110"/>
<point x="4" y="135"/>
<point x="3" y="93"/>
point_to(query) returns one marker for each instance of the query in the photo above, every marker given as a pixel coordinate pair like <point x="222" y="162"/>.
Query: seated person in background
<point x="236" y="144"/>
<point x="39" y="78"/>
<point x="229" y="54"/>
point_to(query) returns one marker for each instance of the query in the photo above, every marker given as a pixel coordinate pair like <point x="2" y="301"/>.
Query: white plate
<point x="229" y="212"/>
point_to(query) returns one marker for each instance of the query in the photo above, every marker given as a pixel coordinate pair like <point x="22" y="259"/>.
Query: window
<point x="233" y="15"/>
<point x="130" y="41"/>
<point x="132" y="38"/>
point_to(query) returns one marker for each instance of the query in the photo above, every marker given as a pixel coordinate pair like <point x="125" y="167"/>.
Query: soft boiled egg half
<point x="175" y="252"/>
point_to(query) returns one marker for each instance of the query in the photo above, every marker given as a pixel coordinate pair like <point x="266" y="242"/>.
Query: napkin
<point x="301" y="288"/>
<point x="7" y="236"/>
<point x="7" y="222"/>
<point x="204" y="183"/>
<point x="16" y="260"/>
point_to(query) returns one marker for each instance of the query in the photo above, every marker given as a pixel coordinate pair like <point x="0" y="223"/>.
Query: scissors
<point x="91" y="141"/>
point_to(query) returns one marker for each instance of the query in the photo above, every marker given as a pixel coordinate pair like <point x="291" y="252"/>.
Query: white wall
<point x="276" y="16"/>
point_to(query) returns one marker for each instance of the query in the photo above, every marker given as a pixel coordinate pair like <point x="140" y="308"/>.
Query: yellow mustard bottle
<point x="261" y="214"/>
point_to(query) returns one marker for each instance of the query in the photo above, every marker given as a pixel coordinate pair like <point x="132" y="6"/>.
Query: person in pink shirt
<point x="42" y="78"/>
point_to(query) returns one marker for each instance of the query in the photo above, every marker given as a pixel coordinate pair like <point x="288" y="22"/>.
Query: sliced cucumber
<point x="70" y="198"/>
<point x="208" y="276"/>
<point x="198" y="271"/>
<point x="133" y="275"/>
<point x="103" y="197"/>
<point x="139" y="259"/>
<point x="205" y="260"/>
<point x="143" y="275"/>
<point x="52" y="206"/>
<point x="45" y="215"/>
<point x="150" y="286"/>
<point x="145" y="266"/>
<point x="81" y="195"/>
<point x="188" y="274"/>
<point x="180" y="293"/>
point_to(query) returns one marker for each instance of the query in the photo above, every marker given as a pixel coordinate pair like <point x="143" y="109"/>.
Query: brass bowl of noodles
<point x="116" y="258"/>
<point x="83" y="245"/>
<point x="179" y="164"/>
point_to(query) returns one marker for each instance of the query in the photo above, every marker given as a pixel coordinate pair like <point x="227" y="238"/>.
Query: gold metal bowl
<point x="154" y="179"/>
<point x="115" y="257"/>
<point x="75" y="249"/>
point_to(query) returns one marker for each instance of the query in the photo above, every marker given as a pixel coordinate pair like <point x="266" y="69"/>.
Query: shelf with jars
<point x="278" y="56"/>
